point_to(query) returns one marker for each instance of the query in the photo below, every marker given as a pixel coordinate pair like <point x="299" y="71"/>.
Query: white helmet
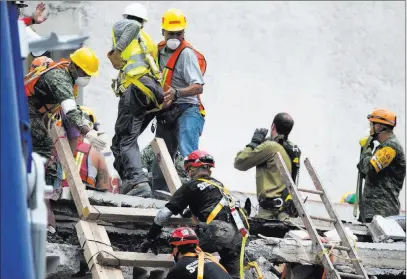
<point x="137" y="10"/>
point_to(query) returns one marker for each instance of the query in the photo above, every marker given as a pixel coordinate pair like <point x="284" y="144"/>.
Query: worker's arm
<point x="125" y="31"/>
<point x="103" y="176"/>
<point x="372" y="164"/>
<point x="249" y="157"/>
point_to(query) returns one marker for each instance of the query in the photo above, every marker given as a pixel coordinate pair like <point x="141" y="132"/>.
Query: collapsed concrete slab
<point x="378" y="258"/>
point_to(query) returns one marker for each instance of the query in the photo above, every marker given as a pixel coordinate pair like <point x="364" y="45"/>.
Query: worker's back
<point x="187" y="268"/>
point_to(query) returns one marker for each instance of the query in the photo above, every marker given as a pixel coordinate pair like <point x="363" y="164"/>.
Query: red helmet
<point x="183" y="236"/>
<point x="199" y="158"/>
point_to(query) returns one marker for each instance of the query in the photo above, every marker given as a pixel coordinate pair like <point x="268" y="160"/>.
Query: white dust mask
<point x="82" y="81"/>
<point x="173" y="44"/>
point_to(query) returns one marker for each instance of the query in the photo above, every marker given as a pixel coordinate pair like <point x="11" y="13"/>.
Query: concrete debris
<point x="299" y="235"/>
<point x="333" y="236"/>
<point x="378" y="258"/>
<point x="386" y="230"/>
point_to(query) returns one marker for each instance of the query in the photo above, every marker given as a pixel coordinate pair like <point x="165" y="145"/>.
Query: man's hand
<point x="149" y="244"/>
<point x="169" y="96"/>
<point x="115" y="58"/>
<point x="95" y="141"/>
<point x="38" y="17"/>
<point x="258" y="137"/>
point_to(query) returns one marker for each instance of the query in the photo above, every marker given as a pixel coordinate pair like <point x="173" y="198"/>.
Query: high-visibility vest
<point x="38" y="67"/>
<point x="81" y="160"/>
<point x="137" y="64"/>
<point x="168" y="71"/>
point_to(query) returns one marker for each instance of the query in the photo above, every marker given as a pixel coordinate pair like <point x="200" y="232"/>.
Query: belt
<point x="184" y="106"/>
<point x="271" y="203"/>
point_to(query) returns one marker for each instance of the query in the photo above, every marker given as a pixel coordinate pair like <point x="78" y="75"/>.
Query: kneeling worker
<point x="220" y="227"/>
<point x="190" y="261"/>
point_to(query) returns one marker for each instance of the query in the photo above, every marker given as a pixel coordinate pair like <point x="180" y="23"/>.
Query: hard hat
<point x="137" y="10"/>
<point x="182" y="236"/>
<point x="86" y="59"/>
<point x="174" y="20"/>
<point x="21" y="4"/>
<point x="199" y="158"/>
<point x="40" y="61"/>
<point x="382" y="116"/>
<point x="89" y="112"/>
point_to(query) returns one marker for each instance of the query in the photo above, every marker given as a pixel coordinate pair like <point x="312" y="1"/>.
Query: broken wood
<point x="65" y="156"/>
<point x="94" y="240"/>
<point x="128" y="214"/>
<point x="135" y="259"/>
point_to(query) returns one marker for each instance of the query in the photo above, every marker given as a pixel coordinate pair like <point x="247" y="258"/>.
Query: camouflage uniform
<point x="53" y="87"/>
<point x="147" y="160"/>
<point x="384" y="173"/>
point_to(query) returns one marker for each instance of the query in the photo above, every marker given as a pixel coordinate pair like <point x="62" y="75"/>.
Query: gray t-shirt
<point x="186" y="72"/>
<point x="125" y="30"/>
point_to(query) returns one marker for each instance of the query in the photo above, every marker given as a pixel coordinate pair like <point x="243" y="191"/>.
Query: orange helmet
<point x="383" y="116"/>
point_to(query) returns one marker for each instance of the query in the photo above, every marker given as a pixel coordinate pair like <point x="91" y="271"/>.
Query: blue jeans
<point x="185" y="137"/>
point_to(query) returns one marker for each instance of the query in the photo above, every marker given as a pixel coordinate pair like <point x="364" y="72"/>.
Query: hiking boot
<point x="141" y="190"/>
<point x="267" y="214"/>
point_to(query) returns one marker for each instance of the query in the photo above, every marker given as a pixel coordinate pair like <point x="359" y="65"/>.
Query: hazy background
<point x="328" y="64"/>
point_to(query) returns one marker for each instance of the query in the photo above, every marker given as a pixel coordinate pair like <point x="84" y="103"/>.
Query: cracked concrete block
<point x="384" y="229"/>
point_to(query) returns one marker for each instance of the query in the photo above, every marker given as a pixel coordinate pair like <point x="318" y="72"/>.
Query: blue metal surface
<point x="19" y="79"/>
<point x="16" y="251"/>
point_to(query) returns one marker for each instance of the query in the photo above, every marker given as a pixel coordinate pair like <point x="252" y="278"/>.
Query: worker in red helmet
<point x="383" y="167"/>
<point x="190" y="261"/>
<point x="222" y="226"/>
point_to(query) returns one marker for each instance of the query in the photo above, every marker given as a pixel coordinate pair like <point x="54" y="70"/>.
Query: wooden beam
<point x="94" y="240"/>
<point x="166" y="164"/>
<point x="135" y="259"/>
<point x="65" y="156"/>
<point x="107" y="213"/>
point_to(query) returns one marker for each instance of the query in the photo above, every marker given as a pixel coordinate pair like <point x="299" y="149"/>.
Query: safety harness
<point x="201" y="255"/>
<point x="228" y="201"/>
<point x="168" y="71"/>
<point x="145" y="64"/>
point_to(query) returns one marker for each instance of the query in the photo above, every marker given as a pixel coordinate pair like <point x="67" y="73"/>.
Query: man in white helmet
<point x="133" y="53"/>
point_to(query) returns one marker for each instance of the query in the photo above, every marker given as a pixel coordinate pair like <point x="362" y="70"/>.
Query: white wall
<point x="328" y="64"/>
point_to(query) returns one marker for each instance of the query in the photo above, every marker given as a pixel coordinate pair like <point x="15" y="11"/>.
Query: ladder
<point x="319" y="248"/>
<point x="102" y="261"/>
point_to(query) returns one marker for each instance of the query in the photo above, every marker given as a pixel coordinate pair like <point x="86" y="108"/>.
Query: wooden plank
<point x="65" y="156"/>
<point x="135" y="259"/>
<point x="128" y="214"/>
<point x="94" y="240"/>
<point x="166" y="164"/>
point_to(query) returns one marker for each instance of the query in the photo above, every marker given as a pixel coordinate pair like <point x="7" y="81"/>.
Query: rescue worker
<point x="133" y="53"/>
<point x="36" y="18"/>
<point x="275" y="202"/>
<point x="52" y="87"/>
<point x="91" y="162"/>
<point x="148" y="158"/>
<point x="181" y="123"/>
<point x="190" y="261"/>
<point x="384" y="169"/>
<point x="222" y="227"/>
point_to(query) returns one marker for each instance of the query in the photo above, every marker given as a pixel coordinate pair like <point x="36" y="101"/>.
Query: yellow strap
<point x="242" y="257"/>
<point x="214" y="213"/>
<point x="78" y="161"/>
<point x="201" y="261"/>
<point x="114" y="39"/>
<point x="150" y="95"/>
<point x="223" y="189"/>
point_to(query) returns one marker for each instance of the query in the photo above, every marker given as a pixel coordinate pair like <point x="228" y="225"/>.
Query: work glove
<point x="187" y="213"/>
<point x="95" y="140"/>
<point x="258" y="137"/>
<point x="289" y="207"/>
<point x="366" y="142"/>
<point x="149" y="244"/>
<point x="116" y="60"/>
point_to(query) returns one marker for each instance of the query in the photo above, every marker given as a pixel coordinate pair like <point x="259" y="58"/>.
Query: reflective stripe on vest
<point x="81" y="161"/>
<point x="134" y="56"/>
<point x="168" y="71"/>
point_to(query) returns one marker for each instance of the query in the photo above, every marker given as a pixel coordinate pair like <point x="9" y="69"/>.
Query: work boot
<point x="141" y="190"/>
<point x="267" y="214"/>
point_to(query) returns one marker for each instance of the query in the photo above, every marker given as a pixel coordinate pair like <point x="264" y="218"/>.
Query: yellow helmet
<point x="89" y="112"/>
<point x="86" y="59"/>
<point x="174" y="20"/>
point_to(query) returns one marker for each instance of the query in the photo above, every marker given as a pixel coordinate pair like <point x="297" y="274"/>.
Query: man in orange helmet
<point x="181" y="121"/>
<point x="384" y="169"/>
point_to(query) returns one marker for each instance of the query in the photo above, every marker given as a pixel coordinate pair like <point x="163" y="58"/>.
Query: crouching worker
<point x="190" y="261"/>
<point x="90" y="161"/>
<point x="222" y="227"/>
